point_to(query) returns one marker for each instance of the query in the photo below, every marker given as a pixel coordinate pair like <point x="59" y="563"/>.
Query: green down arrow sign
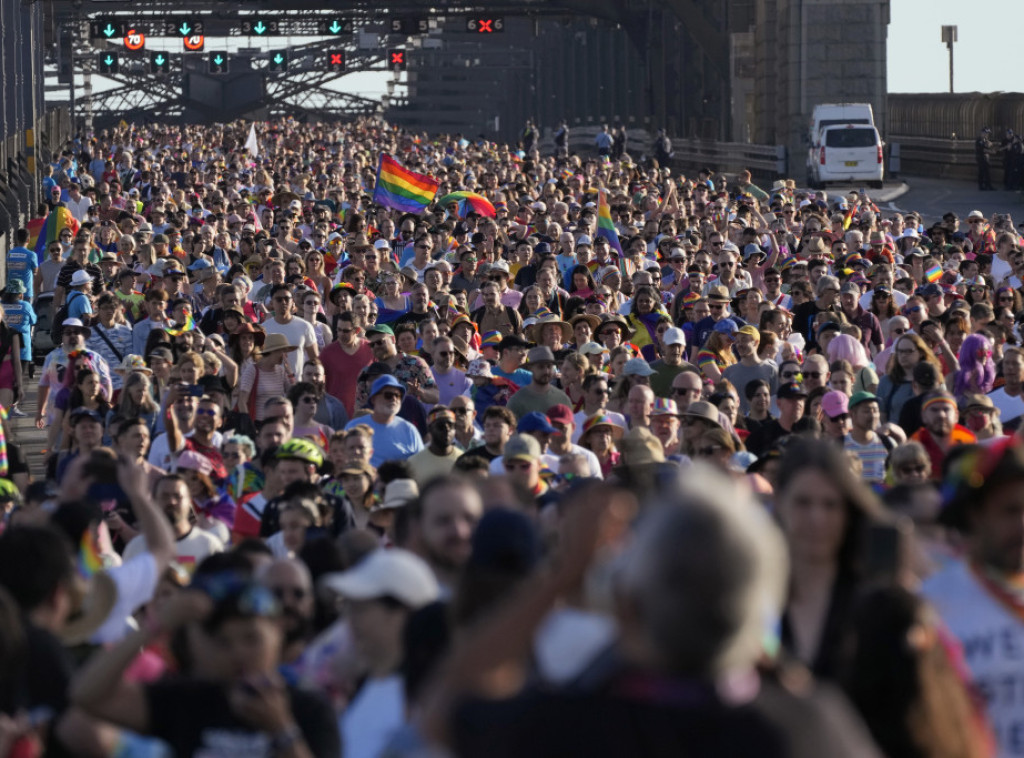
<point x="108" y="61"/>
<point x="279" y="59"/>
<point x="335" y="27"/>
<point x="218" y="60"/>
<point x="159" y="60"/>
<point x="259" y="27"/>
<point x="184" y="28"/>
<point x="110" y="31"/>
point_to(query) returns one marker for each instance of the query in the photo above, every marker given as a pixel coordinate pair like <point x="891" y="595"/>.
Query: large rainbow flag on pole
<point x="606" y="229"/>
<point x="402" y="189"/>
<point x="58" y="220"/>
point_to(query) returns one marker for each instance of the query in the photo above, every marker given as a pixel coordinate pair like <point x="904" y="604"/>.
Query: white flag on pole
<point x="251" y="144"/>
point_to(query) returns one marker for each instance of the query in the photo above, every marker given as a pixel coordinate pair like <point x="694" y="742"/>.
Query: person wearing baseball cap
<point x="440" y="454"/>
<point x="864" y="440"/>
<point x="791" y="399"/>
<point x="560" y="443"/>
<point x="522" y="464"/>
<point x="671" y="362"/>
<point x="540" y="394"/>
<point x="382" y="591"/>
<point x="940" y="432"/>
<point x="750" y="366"/>
<point x="835" y="416"/>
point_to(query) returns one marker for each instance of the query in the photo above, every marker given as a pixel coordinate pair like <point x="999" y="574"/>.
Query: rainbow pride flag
<point x="89" y="560"/>
<point x="188" y="326"/>
<point x="933" y="274"/>
<point x="57" y="220"/>
<point x="606" y="229"/>
<point x="34" y="227"/>
<point x="401" y="189"/>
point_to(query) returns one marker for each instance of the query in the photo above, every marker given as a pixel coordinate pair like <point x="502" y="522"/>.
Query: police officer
<point x="982" y="149"/>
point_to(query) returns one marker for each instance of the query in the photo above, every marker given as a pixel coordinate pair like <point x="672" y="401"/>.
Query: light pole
<point x="949" y="37"/>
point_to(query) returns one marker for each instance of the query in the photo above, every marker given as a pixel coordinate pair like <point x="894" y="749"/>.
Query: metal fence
<point x="21" y="159"/>
<point x="763" y="161"/>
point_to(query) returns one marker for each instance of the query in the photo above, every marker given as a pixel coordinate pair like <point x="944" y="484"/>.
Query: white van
<point x="847" y="153"/>
<point x="837" y="114"/>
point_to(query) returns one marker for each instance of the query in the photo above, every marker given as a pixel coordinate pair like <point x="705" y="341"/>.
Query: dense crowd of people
<point x="616" y="461"/>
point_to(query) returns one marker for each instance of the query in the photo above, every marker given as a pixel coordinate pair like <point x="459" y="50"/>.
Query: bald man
<point x="639" y="404"/>
<point x="291" y="583"/>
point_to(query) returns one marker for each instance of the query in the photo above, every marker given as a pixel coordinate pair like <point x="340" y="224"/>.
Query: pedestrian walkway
<point x="24" y="432"/>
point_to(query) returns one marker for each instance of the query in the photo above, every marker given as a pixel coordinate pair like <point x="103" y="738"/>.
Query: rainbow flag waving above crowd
<point x="49" y="230"/>
<point x="605" y="227"/>
<point x="402" y="189"/>
<point x="187" y="326"/>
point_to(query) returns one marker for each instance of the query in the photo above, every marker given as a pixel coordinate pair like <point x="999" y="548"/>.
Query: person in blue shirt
<point x="20" y="316"/>
<point x="393" y="437"/>
<point x="78" y="306"/>
<point x="22" y="263"/>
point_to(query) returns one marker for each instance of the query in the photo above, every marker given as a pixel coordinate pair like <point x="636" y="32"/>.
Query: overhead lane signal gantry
<point x="336" y="26"/>
<point x="106" y="29"/>
<point x="218" y="63"/>
<point x="159" y="63"/>
<point x="278" y="61"/>
<point x="261" y="26"/>
<point x="109" y="63"/>
<point x="184" y="26"/>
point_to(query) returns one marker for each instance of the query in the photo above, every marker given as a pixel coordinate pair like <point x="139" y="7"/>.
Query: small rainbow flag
<point x="605" y="227"/>
<point x="57" y="220"/>
<point x="401" y="189"/>
<point x="89" y="560"/>
<point x="933" y="274"/>
<point x="848" y="217"/>
<point x="188" y="326"/>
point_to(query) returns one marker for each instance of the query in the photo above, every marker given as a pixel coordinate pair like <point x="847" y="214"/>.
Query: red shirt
<point x="341" y="371"/>
<point x="961" y="436"/>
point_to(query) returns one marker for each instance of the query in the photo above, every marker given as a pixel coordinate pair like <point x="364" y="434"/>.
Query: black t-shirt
<point x="194" y="718"/>
<point x="641" y="717"/>
<point x="481" y="452"/>
<point x="762" y="438"/>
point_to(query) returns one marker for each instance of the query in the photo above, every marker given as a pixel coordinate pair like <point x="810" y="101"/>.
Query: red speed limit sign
<point x="134" y="39"/>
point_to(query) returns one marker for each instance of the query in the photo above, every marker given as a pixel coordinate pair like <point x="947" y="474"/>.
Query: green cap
<point x="380" y="329"/>
<point x="861" y="397"/>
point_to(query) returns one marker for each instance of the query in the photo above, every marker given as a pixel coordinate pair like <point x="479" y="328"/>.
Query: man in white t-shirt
<point x="297" y="331"/>
<point x="192" y="544"/>
<point x="382" y="591"/>
<point x="1009" y="398"/>
<point x="978" y="597"/>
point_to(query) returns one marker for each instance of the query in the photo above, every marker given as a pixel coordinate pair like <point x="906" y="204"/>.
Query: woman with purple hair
<point x="977" y="371"/>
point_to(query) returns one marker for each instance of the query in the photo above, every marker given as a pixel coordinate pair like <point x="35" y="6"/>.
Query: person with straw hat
<point x="266" y="377"/>
<point x="539" y="394"/>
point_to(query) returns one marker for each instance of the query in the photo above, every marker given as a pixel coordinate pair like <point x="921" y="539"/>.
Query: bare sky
<point x="987" y="56"/>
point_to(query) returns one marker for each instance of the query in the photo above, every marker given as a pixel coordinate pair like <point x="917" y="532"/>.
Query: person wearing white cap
<point x="672" y="361"/>
<point x="382" y="591"/>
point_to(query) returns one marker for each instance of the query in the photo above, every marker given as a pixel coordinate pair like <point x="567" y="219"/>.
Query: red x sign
<point x="336" y="59"/>
<point x="485" y="26"/>
<point x="397" y="59"/>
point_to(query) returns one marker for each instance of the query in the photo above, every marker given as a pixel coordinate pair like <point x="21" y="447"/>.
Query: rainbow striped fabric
<point x="933" y="274"/>
<point x="58" y="220"/>
<point x="605" y="227"/>
<point x="188" y="326"/>
<point x="401" y="189"/>
<point x="89" y="559"/>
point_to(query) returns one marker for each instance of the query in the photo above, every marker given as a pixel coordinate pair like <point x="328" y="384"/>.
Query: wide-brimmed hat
<point x="76" y="323"/>
<point x="132" y="363"/>
<point x="601" y="421"/>
<point x="719" y="293"/>
<point x="615" y="318"/>
<point x="274" y="342"/>
<point x="79" y="278"/>
<point x="245" y="327"/>
<point x="393" y="573"/>
<point x="533" y="331"/>
<point x="702" y="409"/>
<point x="399" y="493"/>
<point x="590" y="318"/>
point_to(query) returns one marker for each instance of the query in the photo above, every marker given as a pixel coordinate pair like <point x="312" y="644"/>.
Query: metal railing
<point x="939" y="158"/>
<point x="21" y="159"/>
<point x="763" y="161"/>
